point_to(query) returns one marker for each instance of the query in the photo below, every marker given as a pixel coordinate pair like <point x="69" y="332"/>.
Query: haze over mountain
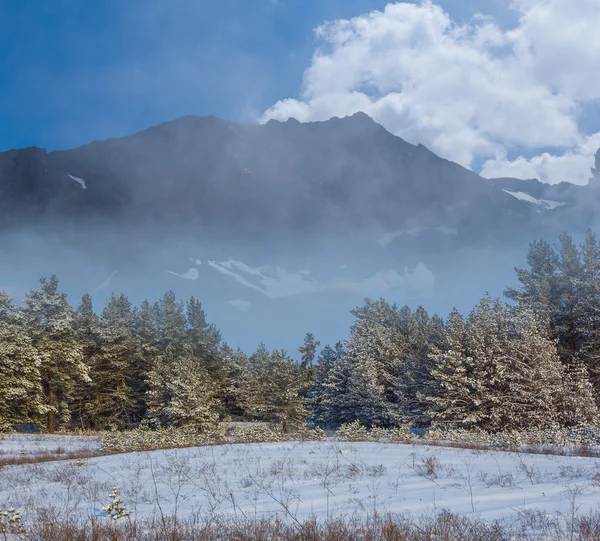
<point x="279" y="218"/>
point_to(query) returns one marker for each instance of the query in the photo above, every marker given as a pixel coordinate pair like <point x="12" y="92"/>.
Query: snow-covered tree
<point x="533" y="375"/>
<point x="171" y="342"/>
<point x="112" y="365"/>
<point x="204" y="340"/>
<point x="146" y="335"/>
<point x="194" y="401"/>
<point x="86" y="323"/>
<point x="590" y="283"/>
<point x="538" y="289"/>
<point x="326" y="363"/>
<point x="579" y="401"/>
<point x="453" y="395"/>
<point x="21" y="397"/>
<point x="49" y="319"/>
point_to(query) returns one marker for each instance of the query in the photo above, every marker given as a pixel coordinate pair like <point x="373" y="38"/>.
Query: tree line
<point x="533" y="361"/>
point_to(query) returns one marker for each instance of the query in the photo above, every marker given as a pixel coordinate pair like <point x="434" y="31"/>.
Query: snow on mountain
<point x="385" y="239"/>
<point x="547" y="204"/>
<point x="240" y="304"/>
<point x="80" y="181"/>
<point x="191" y="274"/>
<point x="279" y="283"/>
<point x="417" y="282"/>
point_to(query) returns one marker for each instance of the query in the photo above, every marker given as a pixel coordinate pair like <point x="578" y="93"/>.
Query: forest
<point x="531" y="360"/>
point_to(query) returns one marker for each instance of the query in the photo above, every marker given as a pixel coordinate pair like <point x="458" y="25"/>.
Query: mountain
<point x="279" y="228"/>
<point x="255" y="180"/>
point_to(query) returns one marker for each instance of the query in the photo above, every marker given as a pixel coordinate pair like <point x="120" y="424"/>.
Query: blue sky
<point x="78" y="71"/>
<point x="75" y="71"/>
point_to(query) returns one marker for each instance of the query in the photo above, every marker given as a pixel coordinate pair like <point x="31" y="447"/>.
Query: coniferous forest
<point x="531" y="360"/>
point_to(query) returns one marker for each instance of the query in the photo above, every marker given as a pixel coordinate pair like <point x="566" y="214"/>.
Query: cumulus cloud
<point x="467" y="91"/>
<point x="572" y="166"/>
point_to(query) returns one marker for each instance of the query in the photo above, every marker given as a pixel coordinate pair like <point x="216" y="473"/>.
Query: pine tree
<point x="308" y="353"/>
<point x="239" y="381"/>
<point x="204" y="341"/>
<point x="335" y="409"/>
<point x="590" y="295"/>
<point x="281" y="391"/>
<point x="49" y="319"/>
<point x="194" y="400"/>
<point x="326" y="363"/>
<point x="538" y="290"/>
<point x="578" y="407"/>
<point x="86" y="323"/>
<point x="568" y="317"/>
<point x="146" y="335"/>
<point x="21" y="398"/>
<point x="488" y="326"/>
<point x="533" y="373"/>
<point x="112" y="365"/>
<point x="171" y="342"/>
<point x="452" y="396"/>
<point x="376" y="351"/>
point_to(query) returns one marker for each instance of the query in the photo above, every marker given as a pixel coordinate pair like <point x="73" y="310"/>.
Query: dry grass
<point x="52" y="456"/>
<point x="443" y="527"/>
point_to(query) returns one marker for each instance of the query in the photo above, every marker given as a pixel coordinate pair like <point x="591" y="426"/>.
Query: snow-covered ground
<point x="32" y="445"/>
<point x="301" y="480"/>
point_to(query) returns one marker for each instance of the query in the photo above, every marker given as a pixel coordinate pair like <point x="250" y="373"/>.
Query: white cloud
<point x="574" y="165"/>
<point x="240" y="305"/>
<point x="465" y="91"/>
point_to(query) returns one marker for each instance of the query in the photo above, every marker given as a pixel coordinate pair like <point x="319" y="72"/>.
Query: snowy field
<point x="39" y="445"/>
<point x="297" y="481"/>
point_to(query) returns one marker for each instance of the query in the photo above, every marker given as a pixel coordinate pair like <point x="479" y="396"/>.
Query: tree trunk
<point x="51" y="404"/>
